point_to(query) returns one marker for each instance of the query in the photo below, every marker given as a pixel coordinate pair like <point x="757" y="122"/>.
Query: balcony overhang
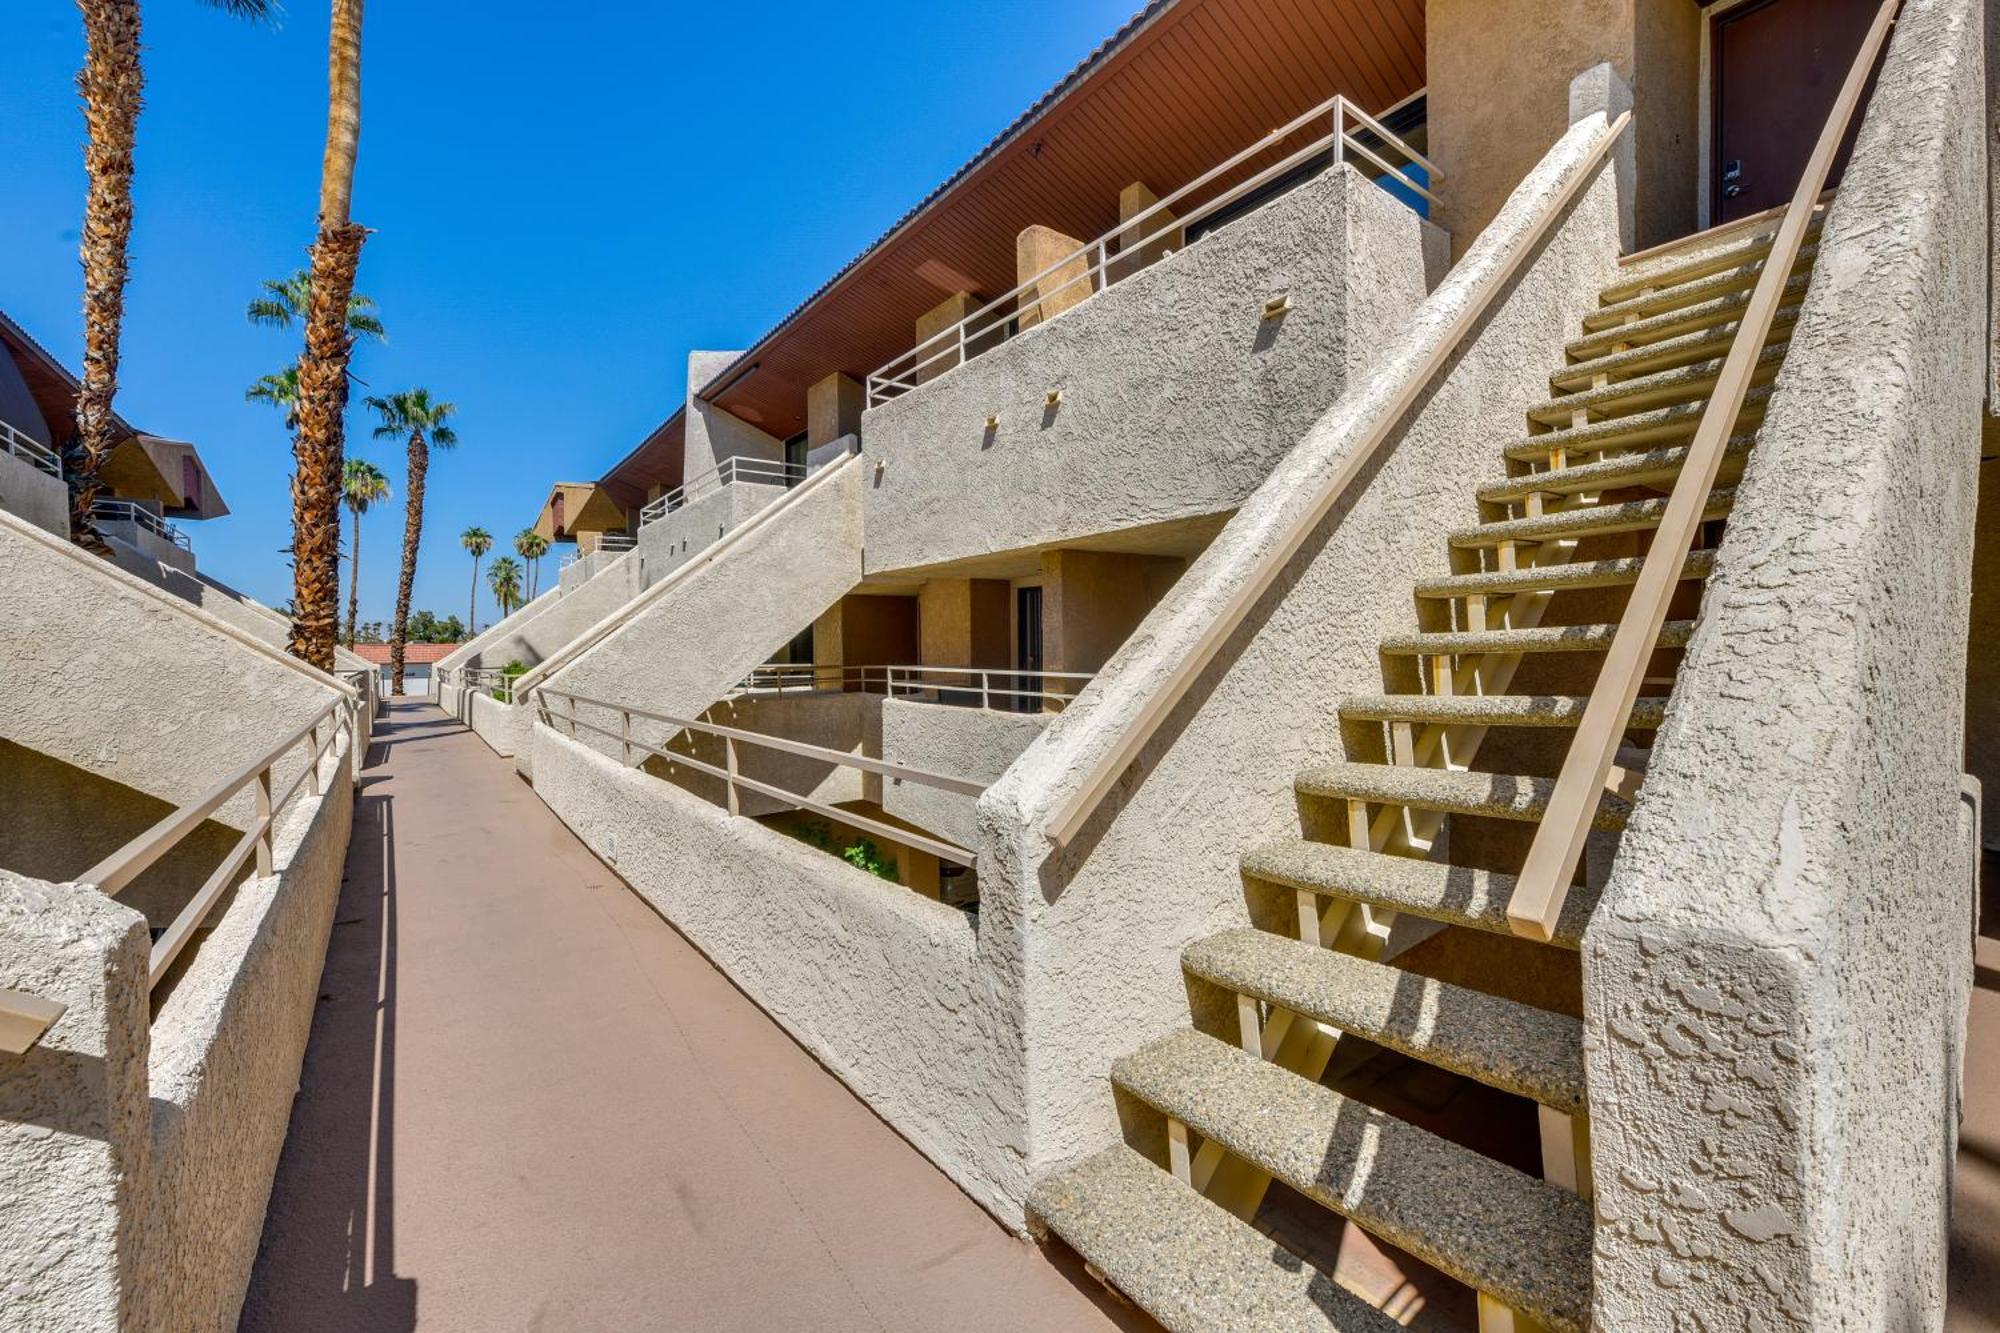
<point x="576" y="507"/>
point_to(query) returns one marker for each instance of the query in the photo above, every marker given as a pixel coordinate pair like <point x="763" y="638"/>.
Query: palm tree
<point x="411" y="414"/>
<point x="362" y="485"/>
<point x="319" y="448"/>
<point x="110" y="82"/>
<point x="280" y="390"/>
<point x="478" y="541"/>
<point x="504" y="577"/>
<point x="287" y="301"/>
<point x="531" y="546"/>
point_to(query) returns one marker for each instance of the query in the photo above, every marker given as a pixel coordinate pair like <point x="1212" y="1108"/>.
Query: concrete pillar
<point x="937" y="360"/>
<point x="963" y="622"/>
<point x="833" y="409"/>
<point x="1035" y="249"/>
<point x="1133" y="200"/>
<point x="75" y="1121"/>
<point x="1093" y="600"/>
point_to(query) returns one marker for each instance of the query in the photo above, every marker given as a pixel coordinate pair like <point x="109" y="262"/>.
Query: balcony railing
<point x="489" y="680"/>
<point x="125" y="511"/>
<point x="1012" y="690"/>
<point x="1120" y="252"/>
<point x="29" y="451"/>
<point x="609" y="541"/>
<point x="726" y="473"/>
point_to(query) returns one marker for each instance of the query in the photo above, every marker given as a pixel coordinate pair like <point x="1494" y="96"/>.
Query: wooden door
<point x="1776" y="67"/>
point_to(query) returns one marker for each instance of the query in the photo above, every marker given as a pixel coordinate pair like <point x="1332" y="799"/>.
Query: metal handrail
<point x="33" y="451"/>
<point x="126" y="511"/>
<point x="24" y="1017"/>
<point x="117" y="871"/>
<point x="992" y="322"/>
<point x="726" y="473"/>
<point x="1543" y="884"/>
<point x="610" y="541"/>
<point x="732" y="772"/>
<point x="911" y="681"/>
<point x="500" y="682"/>
<point x="1269" y="566"/>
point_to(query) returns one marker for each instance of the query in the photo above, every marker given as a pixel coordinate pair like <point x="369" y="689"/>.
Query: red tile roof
<point x="414" y="654"/>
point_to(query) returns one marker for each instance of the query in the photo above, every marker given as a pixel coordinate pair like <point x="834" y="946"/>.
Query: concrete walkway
<point x="529" y="1104"/>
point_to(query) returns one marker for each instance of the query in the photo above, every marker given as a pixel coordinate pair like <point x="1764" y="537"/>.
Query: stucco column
<point x="1093" y="600"/>
<point x="1135" y="249"/>
<point x="833" y="409"/>
<point x="1040" y="248"/>
<point x="936" y="360"/>
<point x="74" y="1117"/>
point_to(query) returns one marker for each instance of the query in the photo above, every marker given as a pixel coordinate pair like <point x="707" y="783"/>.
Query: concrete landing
<point x="529" y="1104"/>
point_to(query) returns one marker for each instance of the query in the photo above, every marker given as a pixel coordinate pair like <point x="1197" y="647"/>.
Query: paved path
<point x="529" y="1104"/>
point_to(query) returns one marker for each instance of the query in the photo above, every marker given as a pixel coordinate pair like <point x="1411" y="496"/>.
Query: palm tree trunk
<point x="354" y="580"/>
<point x="110" y="82"/>
<point x="413" y="531"/>
<point x="472" y="602"/>
<point x="322" y="394"/>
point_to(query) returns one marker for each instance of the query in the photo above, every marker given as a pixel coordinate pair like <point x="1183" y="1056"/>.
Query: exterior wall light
<point x="1278" y="305"/>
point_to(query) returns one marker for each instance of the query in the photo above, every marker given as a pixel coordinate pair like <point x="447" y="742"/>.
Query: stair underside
<point x="1496" y="1229"/>
<point x="1434" y="890"/>
<point x="1504" y="1044"/>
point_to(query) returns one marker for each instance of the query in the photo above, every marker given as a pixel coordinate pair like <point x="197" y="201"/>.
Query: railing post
<point x="264" y="823"/>
<point x="312" y="761"/>
<point x="985" y="691"/>
<point x="729" y="756"/>
<point x="625" y="733"/>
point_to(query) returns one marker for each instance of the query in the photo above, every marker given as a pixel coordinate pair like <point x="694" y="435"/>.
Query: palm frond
<point x="261" y="10"/>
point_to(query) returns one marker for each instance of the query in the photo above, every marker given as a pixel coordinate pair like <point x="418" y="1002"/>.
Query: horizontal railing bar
<point x="1431" y="169"/>
<point x="176" y="936"/>
<point x="120" y="868"/>
<point x="901" y="772"/>
<point x="24" y="1017"/>
<point x="1401" y="178"/>
<point x="39" y="455"/>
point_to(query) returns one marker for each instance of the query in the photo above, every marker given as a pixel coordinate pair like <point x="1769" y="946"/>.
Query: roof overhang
<point x="49" y="381"/>
<point x="656" y="464"/>
<point x="187" y="477"/>
<point x="586" y="507"/>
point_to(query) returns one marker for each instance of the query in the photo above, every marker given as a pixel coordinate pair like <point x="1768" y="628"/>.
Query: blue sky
<point x="563" y="209"/>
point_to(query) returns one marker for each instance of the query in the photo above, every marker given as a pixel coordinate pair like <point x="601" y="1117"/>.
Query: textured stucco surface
<point x="1178" y="395"/>
<point x="668" y="542"/>
<point x="136" y="547"/>
<point x="974" y="743"/>
<point x="1779" y="966"/>
<point x="467" y="653"/>
<point x="884" y="986"/>
<point x="113" y="675"/>
<point x="541" y="636"/>
<point x="1098" y="928"/>
<point x="32" y="494"/>
<point x="714" y="434"/>
<point x="137" y="1150"/>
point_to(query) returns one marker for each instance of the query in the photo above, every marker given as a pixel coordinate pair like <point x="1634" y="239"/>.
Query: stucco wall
<point x="669" y="542"/>
<point x="540" y="636"/>
<point x="468" y="653"/>
<point x="135" y="548"/>
<point x="113" y="675"/>
<point x="713" y="434"/>
<point x="137" y="1151"/>
<point x="32" y="494"/>
<point x="1100" y="925"/>
<point x="972" y="743"/>
<point x="1778" y="972"/>
<point x="1178" y="395"/>
<point x="882" y="985"/>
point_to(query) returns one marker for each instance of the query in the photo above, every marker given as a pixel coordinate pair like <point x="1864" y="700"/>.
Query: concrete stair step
<point x="1520" y="1240"/>
<point x="1653" y="467"/>
<point x="1638" y="430"/>
<point x="1741" y="277"/>
<point x="1673" y="322"/>
<point x="1433" y="890"/>
<point x="1701" y="254"/>
<point x="1504" y="1044"/>
<point x="1589" y="520"/>
<point x="1678" y="384"/>
<point x="1490" y="710"/>
<point x="1184" y="1260"/>
<point x="1575" y="574"/>
<point x="1680" y="350"/>
<point x="1449" y="791"/>
<point x="1539" y="639"/>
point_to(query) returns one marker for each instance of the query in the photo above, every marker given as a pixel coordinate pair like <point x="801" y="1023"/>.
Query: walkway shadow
<point x="327" y="1259"/>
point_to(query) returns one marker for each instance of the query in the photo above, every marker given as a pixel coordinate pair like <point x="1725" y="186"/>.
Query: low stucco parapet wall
<point x="541" y="636"/>
<point x="884" y="987"/>
<point x="1777" y="976"/>
<point x="137" y="1151"/>
<point x="1102" y="922"/>
<point x="1179" y="395"/>
<point x="33" y="495"/>
<point x="673" y="539"/>
<point x="973" y="743"/>
<point x="468" y="653"/>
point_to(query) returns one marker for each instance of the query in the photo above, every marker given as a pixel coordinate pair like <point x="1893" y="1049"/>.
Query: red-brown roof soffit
<point x="1182" y="86"/>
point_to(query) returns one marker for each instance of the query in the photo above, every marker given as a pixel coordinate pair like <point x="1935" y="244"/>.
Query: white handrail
<point x="732" y="774"/>
<point x="33" y="451"/>
<point x="1543" y="884"/>
<point x="1264" y="573"/>
<point x="125" y="511"/>
<point x="1100" y="258"/>
<point x="116" y="872"/>
<point x="899" y="681"/>
<point x="726" y="473"/>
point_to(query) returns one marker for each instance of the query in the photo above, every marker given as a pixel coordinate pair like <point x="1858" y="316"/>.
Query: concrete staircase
<point x="1382" y="938"/>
